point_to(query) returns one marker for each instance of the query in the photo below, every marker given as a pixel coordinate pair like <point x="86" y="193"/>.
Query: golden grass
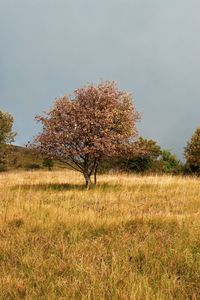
<point x="131" y="237"/>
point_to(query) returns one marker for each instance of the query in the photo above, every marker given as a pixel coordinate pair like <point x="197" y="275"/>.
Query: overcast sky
<point x="150" y="47"/>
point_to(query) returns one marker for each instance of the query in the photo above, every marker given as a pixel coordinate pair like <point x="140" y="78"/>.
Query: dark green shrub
<point x="48" y="163"/>
<point x="150" y="151"/>
<point x="170" y="163"/>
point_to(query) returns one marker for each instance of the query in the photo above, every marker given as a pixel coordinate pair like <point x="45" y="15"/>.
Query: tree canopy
<point x="97" y="122"/>
<point x="7" y="136"/>
<point x="192" y="152"/>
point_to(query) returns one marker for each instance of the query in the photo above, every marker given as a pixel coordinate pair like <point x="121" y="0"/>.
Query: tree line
<point x="95" y="130"/>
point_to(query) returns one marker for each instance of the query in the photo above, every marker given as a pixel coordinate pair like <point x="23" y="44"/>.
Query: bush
<point x="170" y="163"/>
<point x="48" y="163"/>
<point x="143" y="162"/>
<point x="154" y="161"/>
<point x="137" y="164"/>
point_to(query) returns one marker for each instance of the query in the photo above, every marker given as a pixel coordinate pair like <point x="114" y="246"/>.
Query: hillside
<point x="23" y="158"/>
<point x="131" y="237"/>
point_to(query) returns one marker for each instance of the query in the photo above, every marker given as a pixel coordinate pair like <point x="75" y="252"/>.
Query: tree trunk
<point x="87" y="181"/>
<point x="95" y="175"/>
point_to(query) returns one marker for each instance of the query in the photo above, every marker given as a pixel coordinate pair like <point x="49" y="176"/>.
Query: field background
<point x="131" y="237"/>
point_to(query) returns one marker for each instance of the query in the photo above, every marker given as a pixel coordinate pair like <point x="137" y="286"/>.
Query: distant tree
<point x="170" y="163"/>
<point x="98" y="122"/>
<point x="7" y="136"/>
<point x="48" y="163"/>
<point x="192" y="152"/>
<point x="149" y="152"/>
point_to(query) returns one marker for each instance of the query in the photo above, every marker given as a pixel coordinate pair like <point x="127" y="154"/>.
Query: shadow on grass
<point x="102" y="186"/>
<point x="50" y="187"/>
<point x="66" y="187"/>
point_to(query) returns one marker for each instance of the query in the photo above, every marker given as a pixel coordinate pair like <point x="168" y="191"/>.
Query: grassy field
<point x="131" y="237"/>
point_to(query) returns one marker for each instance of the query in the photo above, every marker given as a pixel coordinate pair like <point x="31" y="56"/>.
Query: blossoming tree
<point x="98" y="122"/>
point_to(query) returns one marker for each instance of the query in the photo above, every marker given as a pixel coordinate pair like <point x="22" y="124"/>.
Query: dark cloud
<point x="150" y="48"/>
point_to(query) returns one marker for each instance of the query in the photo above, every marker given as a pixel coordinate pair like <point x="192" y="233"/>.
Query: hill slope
<point x="23" y="158"/>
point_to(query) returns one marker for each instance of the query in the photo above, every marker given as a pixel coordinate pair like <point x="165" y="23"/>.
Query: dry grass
<point x="131" y="237"/>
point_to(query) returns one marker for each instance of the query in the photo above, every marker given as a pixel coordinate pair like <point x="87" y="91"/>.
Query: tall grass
<point x="131" y="237"/>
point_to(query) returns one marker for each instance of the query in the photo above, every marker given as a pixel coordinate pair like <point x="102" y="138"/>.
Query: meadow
<point x="131" y="237"/>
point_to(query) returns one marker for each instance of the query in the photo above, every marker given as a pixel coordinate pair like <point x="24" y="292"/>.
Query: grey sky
<point x="150" y="47"/>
